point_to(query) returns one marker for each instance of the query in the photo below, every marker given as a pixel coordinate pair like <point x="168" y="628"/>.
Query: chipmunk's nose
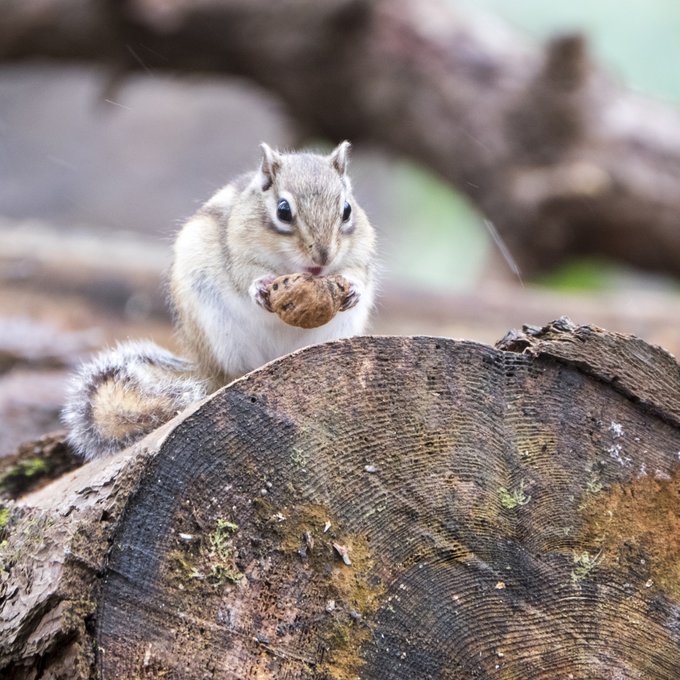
<point x="320" y="255"/>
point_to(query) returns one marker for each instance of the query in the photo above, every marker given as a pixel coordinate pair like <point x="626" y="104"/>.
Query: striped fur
<point x="222" y="257"/>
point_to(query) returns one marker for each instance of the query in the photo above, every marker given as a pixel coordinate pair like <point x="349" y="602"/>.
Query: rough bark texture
<point x="376" y="508"/>
<point x="53" y="553"/>
<point x="563" y="160"/>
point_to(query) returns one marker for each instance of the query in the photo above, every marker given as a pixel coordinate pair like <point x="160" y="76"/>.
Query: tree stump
<point x="379" y="507"/>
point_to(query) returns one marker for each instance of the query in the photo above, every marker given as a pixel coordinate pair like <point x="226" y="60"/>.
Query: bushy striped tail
<point x="123" y="394"/>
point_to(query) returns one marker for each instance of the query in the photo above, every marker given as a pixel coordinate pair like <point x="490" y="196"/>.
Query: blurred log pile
<point x="560" y="158"/>
<point x="62" y="296"/>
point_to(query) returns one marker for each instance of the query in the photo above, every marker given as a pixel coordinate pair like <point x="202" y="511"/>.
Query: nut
<point x="306" y="301"/>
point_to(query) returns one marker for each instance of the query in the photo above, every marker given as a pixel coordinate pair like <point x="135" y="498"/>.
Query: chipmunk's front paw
<point x="259" y="291"/>
<point x="351" y="298"/>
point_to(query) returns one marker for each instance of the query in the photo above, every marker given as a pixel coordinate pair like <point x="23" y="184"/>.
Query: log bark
<point x="379" y="508"/>
<point x="563" y="160"/>
<point x="35" y="464"/>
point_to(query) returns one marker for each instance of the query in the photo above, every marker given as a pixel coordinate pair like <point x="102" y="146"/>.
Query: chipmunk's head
<point x="311" y="214"/>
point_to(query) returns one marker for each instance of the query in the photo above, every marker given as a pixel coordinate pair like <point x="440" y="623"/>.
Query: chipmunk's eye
<point x="283" y="211"/>
<point x="346" y="212"/>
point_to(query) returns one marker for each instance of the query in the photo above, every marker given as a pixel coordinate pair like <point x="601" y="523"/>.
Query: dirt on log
<point x="380" y="507"/>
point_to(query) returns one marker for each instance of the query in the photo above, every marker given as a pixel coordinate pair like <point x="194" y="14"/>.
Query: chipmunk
<point x="296" y="213"/>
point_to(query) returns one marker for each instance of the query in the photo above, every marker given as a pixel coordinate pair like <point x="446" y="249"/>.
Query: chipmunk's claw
<point x="351" y="298"/>
<point x="259" y="291"/>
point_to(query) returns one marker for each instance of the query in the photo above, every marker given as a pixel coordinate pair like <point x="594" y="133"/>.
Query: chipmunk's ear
<point x="271" y="162"/>
<point x="339" y="157"/>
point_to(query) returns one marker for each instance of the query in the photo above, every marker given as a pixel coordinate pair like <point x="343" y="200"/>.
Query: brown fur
<point x="118" y="411"/>
<point x="232" y="241"/>
<point x="224" y="256"/>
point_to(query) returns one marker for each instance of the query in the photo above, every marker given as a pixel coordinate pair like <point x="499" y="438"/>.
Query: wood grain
<point x="496" y="509"/>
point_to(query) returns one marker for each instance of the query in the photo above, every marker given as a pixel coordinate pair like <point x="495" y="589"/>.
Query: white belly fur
<point x="244" y="336"/>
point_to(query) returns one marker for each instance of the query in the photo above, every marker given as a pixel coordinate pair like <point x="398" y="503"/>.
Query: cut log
<point x="378" y="507"/>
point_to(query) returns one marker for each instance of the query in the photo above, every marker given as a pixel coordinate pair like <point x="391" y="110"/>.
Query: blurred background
<point x="98" y="171"/>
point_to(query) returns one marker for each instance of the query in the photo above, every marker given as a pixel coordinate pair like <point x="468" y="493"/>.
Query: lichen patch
<point x="637" y="527"/>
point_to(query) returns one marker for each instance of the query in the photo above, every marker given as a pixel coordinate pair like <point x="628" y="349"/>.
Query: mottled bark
<point x="35" y="464"/>
<point x="378" y="507"/>
<point x="562" y="159"/>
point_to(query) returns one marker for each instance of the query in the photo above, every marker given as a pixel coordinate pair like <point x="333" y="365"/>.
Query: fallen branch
<point x="562" y="159"/>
